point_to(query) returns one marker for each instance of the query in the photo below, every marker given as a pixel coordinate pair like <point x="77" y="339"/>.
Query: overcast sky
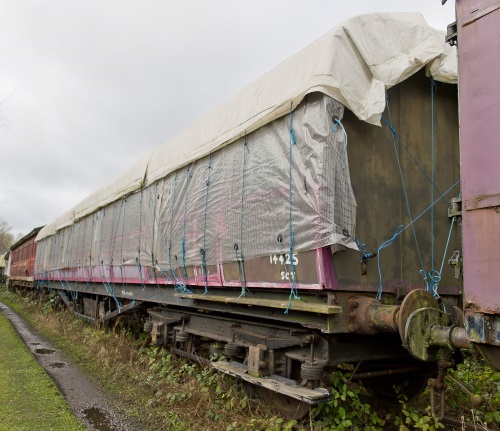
<point x="88" y="87"/>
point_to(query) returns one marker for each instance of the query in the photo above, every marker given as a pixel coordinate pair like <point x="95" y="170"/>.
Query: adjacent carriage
<point x="21" y="261"/>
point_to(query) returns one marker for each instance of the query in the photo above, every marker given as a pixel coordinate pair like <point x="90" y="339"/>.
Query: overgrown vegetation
<point x="349" y="410"/>
<point x="157" y="389"/>
<point x="165" y="392"/>
<point x="482" y="401"/>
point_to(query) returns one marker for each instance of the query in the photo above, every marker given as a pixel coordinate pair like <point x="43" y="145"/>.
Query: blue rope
<point x="123" y="238"/>
<point x="294" y="294"/>
<point x="433" y="89"/>
<point x="338" y="122"/>
<point x="73" y="294"/>
<point x="101" y="220"/>
<point x="204" y="251"/>
<point x="64" y="283"/>
<point x="171" y="227"/>
<point x="362" y="247"/>
<point x="447" y="244"/>
<point x="393" y="131"/>
<point x="179" y="287"/>
<point x="139" y="264"/>
<point x="404" y="189"/>
<point x="111" y="292"/>
<point x="116" y="232"/>
<point x="107" y="285"/>
<point x="155" y="196"/>
<point x="188" y="176"/>
<point x="163" y="272"/>
<point x="399" y="230"/>
<point x="424" y="277"/>
<point x="240" y="259"/>
<point x="434" y="203"/>
<point x="436" y="275"/>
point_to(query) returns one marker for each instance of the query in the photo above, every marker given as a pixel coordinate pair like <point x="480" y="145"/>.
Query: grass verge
<point x="164" y="392"/>
<point x="154" y="388"/>
<point x="29" y="399"/>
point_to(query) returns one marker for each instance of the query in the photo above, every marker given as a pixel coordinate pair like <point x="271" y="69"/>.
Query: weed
<point x="51" y="303"/>
<point x="411" y="418"/>
<point x="165" y="392"/>
<point x="346" y="410"/>
<point x="475" y="391"/>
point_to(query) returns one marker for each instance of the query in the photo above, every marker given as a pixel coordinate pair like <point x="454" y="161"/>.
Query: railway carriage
<point x="21" y="273"/>
<point x="312" y="220"/>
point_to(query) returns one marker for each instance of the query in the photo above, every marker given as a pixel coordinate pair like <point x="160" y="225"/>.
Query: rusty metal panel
<point x="275" y="269"/>
<point x="483" y="202"/>
<point x="22" y="258"/>
<point x="475" y="10"/>
<point x="478" y="25"/>
<point x="379" y="195"/>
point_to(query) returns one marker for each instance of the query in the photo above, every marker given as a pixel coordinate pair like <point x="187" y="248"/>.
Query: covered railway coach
<point x="311" y="220"/>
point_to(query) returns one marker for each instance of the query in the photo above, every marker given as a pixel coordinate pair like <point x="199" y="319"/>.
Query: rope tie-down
<point x="432" y="278"/>
<point x="294" y="293"/>
<point x="364" y="254"/>
<point x="162" y="272"/>
<point x="138" y="258"/>
<point x="179" y="287"/>
<point x="203" y="251"/>
<point x="239" y="258"/>
<point x="110" y="289"/>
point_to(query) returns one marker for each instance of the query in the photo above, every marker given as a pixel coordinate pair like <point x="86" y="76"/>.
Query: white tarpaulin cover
<point x="353" y="64"/>
<point x="236" y="202"/>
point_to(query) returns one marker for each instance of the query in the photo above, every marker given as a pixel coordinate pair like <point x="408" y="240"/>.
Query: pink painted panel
<point x="479" y="91"/>
<point x="130" y="274"/>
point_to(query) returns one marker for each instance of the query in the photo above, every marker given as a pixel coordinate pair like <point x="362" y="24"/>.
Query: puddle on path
<point x="98" y="419"/>
<point x="44" y="351"/>
<point x="57" y="365"/>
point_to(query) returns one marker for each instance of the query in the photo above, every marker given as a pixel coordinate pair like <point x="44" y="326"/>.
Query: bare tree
<point x="6" y="238"/>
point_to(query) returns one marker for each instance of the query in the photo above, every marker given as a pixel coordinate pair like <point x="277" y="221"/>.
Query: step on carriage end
<point x="281" y="385"/>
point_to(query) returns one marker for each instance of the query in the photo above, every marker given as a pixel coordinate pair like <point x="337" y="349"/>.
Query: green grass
<point x="154" y="389"/>
<point x="29" y="399"/>
<point x="160" y="391"/>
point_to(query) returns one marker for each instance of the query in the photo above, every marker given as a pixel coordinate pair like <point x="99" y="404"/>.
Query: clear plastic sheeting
<point x="130" y="181"/>
<point x="353" y="63"/>
<point x="238" y="202"/>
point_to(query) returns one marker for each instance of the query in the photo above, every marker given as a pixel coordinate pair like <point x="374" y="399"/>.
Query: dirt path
<point x="87" y="400"/>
